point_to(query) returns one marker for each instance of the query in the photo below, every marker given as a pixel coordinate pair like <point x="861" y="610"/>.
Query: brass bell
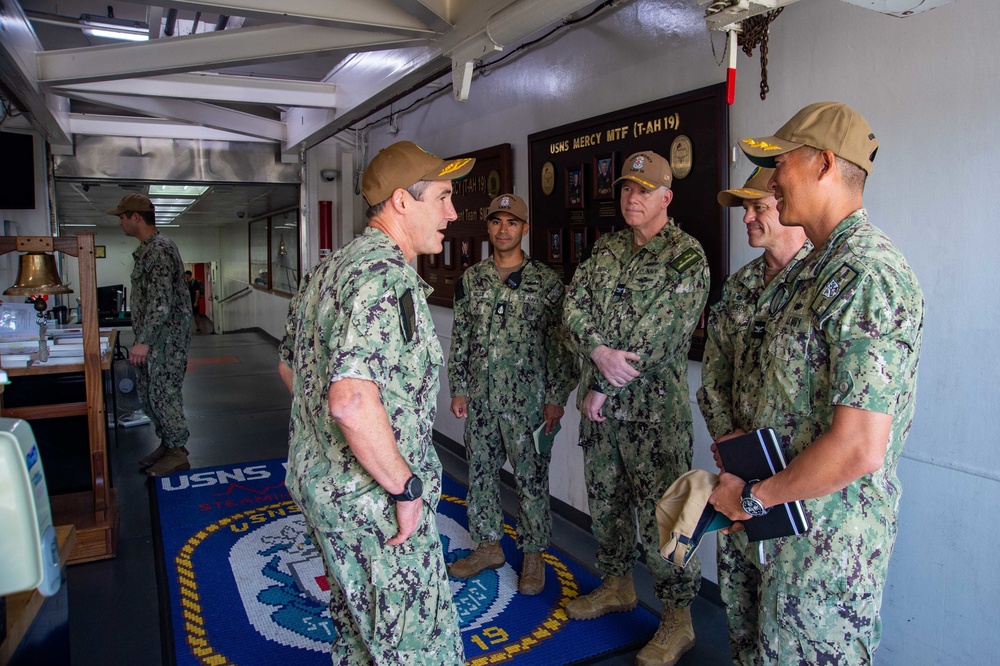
<point x="37" y="274"/>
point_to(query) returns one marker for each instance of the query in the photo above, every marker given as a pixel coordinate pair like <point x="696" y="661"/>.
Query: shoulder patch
<point x="460" y="290"/>
<point x="554" y="294"/>
<point x="685" y="261"/>
<point x="832" y="290"/>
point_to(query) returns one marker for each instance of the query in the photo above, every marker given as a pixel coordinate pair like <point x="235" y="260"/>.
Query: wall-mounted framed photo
<point x="447" y="258"/>
<point x="574" y="187"/>
<point x="433" y="260"/>
<point x="604" y="175"/>
<point x="577" y="244"/>
<point x="465" y="259"/>
<point x="555" y="249"/>
<point x="484" y="249"/>
<point x="100" y="252"/>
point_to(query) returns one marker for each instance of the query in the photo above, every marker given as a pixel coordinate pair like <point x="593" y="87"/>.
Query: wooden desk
<point x="23" y="607"/>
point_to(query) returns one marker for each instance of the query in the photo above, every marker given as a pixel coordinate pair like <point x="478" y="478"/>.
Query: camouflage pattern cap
<point x="132" y="203"/>
<point x="826" y="126"/>
<point x="509" y="203"/>
<point x="648" y="169"/>
<point x="404" y="163"/>
<point x="755" y="188"/>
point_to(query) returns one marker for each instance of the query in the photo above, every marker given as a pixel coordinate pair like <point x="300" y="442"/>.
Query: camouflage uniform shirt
<point x="346" y="323"/>
<point x="507" y="344"/>
<point x="730" y="367"/>
<point x="845" y="329"/>
<point x="647" y="302"/>
<point x="160" y="301"/>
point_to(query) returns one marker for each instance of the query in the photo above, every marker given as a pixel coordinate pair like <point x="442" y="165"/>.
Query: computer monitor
<point x="111" y="299"/>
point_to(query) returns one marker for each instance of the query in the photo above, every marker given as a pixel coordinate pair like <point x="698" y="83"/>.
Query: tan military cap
<point x="826" y="126"/>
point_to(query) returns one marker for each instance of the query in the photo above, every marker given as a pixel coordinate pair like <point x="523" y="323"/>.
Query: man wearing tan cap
<point x="361" y="359"/>
<point x="838" y="369"/>
<point x="161" y="321"/>
<point x="730" y="376"/>
<point x="631" y="309"/>
<point x="510" y="369"/>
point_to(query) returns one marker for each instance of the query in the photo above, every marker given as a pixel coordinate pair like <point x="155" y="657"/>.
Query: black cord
<point x="490" y="64"/>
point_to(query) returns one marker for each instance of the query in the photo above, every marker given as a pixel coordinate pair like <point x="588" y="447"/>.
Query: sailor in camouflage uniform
<point x="161" y="320"/>
<point x="361" y="359"/>
<point x="631" y="309"/>
<point x="510" y="369"/>
<point x="730" y="365"/>
<point x="837" y="379"/>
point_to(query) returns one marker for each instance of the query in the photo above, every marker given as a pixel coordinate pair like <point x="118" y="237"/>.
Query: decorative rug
<point x="246" y="587"/>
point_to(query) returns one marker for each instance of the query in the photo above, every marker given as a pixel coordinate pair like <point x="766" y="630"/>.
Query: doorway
<point x="206" y="273"/>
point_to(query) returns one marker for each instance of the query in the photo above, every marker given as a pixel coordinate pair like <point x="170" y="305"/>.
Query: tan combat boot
<point x="615" y="595"/>
<point x="487" y="555"/>
<point x="157" y="453"/>
<point x="174" y="460"/>
<point x="532" y="575"/>
<point x="673" y="638"/>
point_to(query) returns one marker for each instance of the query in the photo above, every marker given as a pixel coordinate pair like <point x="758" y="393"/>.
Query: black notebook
<point x="757" y="455"/>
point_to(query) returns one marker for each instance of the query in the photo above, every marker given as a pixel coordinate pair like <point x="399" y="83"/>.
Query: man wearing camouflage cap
<point x="510" y="369"/>
<point x="631" y="309"/>
<point x="361" y="359"/>
<point x="731" y="379"/>
<point x="161" y="321"/>
<point x="838" y="374"/>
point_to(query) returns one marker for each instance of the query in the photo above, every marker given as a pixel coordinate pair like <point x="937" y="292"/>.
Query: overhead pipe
<point x="506" y="26"/>
<point x="171" y="23"/>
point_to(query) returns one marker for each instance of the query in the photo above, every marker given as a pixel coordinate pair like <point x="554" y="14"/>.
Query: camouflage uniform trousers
<point x="739" y="586"/>
<point x="809" y="629"/>
<point x="489" y="439"/>
<point x="160" y="384"/>
<point x="390" y="605"/>
<point x="628" y="467"/>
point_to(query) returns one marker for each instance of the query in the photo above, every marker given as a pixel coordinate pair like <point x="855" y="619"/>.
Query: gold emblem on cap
<point x="645" y="183"/>
<point x="455" y="166"/>
<point x="763" y="145"/>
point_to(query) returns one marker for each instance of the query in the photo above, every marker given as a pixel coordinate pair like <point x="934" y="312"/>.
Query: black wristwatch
<point x="412" y="490"/>
<point x="751" y="504"/>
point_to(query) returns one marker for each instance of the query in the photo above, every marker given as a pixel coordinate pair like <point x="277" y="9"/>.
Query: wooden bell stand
<point x="92" y="512"/>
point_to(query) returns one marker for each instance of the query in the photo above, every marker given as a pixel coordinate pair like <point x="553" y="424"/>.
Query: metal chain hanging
<point x="755" y="32"/>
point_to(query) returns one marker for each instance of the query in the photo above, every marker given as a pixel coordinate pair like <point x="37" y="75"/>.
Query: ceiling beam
<point x="434" y="13"/>
<point x="19" y="73"/>
<point x="195" y="113"/>
<point x="374" y="15"/>
<point x="99" y="125"/>
<point x="204" y="51"/>
<point x="218" y="88"/>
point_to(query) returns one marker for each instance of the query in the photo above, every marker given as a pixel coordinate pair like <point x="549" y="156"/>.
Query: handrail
<point x="232" y="296"/>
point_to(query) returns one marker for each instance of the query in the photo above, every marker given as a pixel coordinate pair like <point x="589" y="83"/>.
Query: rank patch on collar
<point x="685" y="261"/>
<point x="832" y="290"/>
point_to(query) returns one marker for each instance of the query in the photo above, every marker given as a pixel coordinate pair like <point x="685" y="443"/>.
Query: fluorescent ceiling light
<point x="114" y="28"/>
<point x="63" y="224"/>
<point x="172" y="201"/>
<point x="170" y="209"/>
<point x="116" y="34"/>
<point x="178" y="190"/>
